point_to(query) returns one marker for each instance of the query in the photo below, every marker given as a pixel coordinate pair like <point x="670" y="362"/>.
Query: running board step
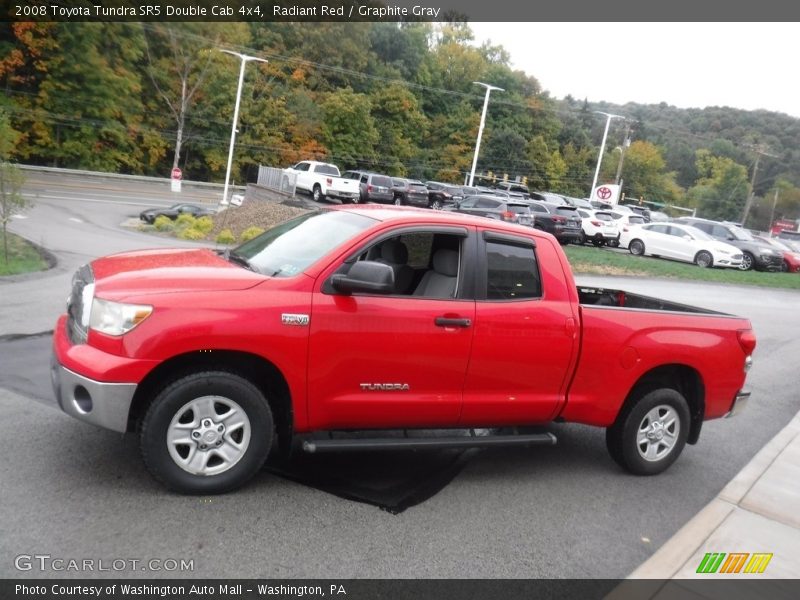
<point x="427" y="443"/>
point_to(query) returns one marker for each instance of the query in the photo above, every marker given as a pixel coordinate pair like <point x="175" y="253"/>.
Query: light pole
<point x="489" y="89"/>
<point x="244" y="58"/>
<point x="602" y="148"/>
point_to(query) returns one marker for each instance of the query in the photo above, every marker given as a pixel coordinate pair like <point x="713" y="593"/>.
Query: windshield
<point x="741" y="234"/>
<point x="696" y="233"/>
<point x="291" y="247"/>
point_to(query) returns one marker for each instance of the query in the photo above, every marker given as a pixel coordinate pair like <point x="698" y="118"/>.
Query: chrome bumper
<point x="739" y="403"/>
<point x="104" y="404"/>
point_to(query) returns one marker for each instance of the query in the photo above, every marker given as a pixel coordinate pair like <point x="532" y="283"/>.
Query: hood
<point x="724" y="247"/>
<point x="174" y="271"/>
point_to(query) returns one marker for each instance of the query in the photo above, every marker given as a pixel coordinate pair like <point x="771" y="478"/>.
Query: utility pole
<point x="625" y="144"/>
<point x="760" y="150"/>
<point x="772" y="214"/>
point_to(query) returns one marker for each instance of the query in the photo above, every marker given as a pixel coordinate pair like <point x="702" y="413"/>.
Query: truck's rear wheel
<point x="317" y="193"/>
<point x="206" y="433"/>
<point x="650" y="432"/>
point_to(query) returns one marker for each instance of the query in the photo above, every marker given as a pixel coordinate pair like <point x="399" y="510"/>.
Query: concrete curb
<point x="752" y="495"/>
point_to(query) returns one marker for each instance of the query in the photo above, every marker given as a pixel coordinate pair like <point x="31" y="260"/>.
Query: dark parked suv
<point x="494" y="207"/>
<point x="564" y="221"/>
<point x="755" y="254"/>
<point x="442" y="194"/>
<point x="409" y="191"/>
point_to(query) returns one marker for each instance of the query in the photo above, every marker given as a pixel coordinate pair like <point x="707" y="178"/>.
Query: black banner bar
<point x="742" y="588"/>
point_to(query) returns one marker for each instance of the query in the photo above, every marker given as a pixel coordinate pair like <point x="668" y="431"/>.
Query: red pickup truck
<point x="370" y="319"/>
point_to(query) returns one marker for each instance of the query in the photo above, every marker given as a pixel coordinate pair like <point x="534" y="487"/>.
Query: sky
<point x="689" y="65"/>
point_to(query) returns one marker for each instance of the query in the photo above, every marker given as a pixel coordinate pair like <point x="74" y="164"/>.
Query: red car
<point x="376" y="318"/>
<point x="791" y="256"/>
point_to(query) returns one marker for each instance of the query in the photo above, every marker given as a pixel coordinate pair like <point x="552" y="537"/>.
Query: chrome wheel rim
<point x="747" y="263"/>
<point x="208" y="435"/>
<point x="704" y="260"/>
<point x="658" y="433"/>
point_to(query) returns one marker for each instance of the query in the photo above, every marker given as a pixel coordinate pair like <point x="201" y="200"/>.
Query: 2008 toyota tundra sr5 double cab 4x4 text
<point x="380" y="318"/>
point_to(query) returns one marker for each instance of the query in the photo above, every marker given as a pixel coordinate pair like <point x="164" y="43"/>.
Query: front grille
<point x="76" y="331"/>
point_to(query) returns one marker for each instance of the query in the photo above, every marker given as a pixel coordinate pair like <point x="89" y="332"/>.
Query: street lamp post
<point x="489" y="89"/>
<point x="602" y="148"/>
<point x="244" y="58"/>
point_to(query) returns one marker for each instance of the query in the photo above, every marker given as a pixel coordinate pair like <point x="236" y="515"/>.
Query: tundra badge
<point x="292" y="319"/>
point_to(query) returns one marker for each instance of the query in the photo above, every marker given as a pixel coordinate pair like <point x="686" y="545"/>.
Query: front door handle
<point x="452" y="322"/>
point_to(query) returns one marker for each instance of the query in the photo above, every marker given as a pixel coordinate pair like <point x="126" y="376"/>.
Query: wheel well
<point x="259" y="371"/>
<point x="681" y="378"/>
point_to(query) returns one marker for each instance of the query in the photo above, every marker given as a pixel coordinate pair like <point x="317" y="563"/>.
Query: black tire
<point x="597" y="243"/>
<point x="435" y="204"/>
<point x="398" y="201"/>
<point x="636" y="417"/>
<point x="784" y="267"/>
<point x="614" y="243"/>
<point x="636" y="247"/>
<point x="221" y="387"/>
<point x="317" y="194"/>
<point x="704" y="259"/>
<point x="748" y="262"/>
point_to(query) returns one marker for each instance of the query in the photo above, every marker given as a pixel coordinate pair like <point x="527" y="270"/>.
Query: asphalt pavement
<point x="563" y="511"/>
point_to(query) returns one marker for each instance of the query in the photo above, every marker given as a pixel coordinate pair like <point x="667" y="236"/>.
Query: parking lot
<point x="76" y="491"/>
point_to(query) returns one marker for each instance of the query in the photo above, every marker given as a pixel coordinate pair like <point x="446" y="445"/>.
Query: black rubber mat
<point x="393" y="481"/>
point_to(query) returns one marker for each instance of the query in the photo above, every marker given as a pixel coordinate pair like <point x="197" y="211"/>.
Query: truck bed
<point x="594" y="296"/>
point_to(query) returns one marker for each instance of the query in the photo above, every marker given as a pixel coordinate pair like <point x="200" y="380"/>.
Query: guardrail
<point x="142" y="178"/>
<point x="276" y="179"/>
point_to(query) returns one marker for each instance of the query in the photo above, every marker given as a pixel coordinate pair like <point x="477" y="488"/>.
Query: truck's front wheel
<point x="650" y="432"/>
<point x="206" y="433"/>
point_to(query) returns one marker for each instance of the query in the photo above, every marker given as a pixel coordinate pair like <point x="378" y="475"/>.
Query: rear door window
<point x="512" y="272"/>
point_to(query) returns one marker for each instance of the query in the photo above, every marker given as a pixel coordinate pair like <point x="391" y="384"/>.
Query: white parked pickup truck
<point x="322" y="179"/>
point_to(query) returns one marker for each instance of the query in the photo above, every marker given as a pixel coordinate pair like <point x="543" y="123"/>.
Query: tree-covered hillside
<point x="397" y="98"/>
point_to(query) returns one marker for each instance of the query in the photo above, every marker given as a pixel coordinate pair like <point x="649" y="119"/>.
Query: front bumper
<point x="104" y="404"/>
<point x="739" y="403"/>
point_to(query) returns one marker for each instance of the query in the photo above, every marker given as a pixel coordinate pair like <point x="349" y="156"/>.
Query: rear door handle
<point x="452" y="322"/>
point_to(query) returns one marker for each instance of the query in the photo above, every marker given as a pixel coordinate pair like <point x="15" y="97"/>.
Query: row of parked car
<point x="571" y="220"/>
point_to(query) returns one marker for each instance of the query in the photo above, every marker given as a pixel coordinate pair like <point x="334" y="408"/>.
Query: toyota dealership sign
<point x="606" y="192"/>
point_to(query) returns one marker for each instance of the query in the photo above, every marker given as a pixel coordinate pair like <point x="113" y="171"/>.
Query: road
<point x="71" y="490"/>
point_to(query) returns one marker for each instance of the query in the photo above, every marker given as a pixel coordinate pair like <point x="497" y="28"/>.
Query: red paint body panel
<point x="520" y="362"/>
<point x="621" y="345"/>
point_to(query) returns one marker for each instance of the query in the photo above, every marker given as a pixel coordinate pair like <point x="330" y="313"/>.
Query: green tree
<point x="721" y="190"/>
<point x="348" y="128"/>
<point x="12" y="201"/>
<point x="400" y="124"/>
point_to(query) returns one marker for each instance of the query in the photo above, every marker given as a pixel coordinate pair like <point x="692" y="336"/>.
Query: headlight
<point x="115" y="318"/>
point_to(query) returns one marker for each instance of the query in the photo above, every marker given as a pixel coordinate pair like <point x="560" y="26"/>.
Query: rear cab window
<point x="512" y="271"/>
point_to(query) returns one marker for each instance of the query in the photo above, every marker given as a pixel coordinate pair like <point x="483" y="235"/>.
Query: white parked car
<point x="680" y="242"/>
<point x="598" y="227"/>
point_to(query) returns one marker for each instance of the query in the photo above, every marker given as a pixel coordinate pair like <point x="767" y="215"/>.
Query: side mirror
<point x="365" y="276"/>
<point x="730" y="238"/>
